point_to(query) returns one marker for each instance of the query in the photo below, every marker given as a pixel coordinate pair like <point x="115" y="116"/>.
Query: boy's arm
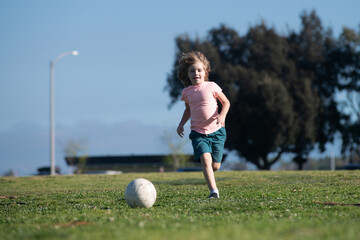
<point x="225" y="108"/>
<point x="185" y="117"/>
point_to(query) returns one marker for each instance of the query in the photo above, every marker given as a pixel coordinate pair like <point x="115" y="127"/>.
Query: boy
<point x="208" y="132"/>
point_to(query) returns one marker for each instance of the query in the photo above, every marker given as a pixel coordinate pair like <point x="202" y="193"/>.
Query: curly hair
<point x="188" y="59"/>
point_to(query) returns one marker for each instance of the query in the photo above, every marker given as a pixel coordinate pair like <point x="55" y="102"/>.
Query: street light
<point x="52" y="109"/>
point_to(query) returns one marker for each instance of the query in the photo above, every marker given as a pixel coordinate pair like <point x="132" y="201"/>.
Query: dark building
<point x="133" y="163"/>
<point x="47" y="170"/>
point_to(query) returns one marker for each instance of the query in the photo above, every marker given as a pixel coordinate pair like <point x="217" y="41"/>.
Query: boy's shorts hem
<point x="209" y="143"/>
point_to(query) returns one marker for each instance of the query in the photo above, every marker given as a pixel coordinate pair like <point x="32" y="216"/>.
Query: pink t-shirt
<point x="203" y="106"/>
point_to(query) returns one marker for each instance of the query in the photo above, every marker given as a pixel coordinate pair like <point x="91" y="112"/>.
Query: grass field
<point x="253" y="205"/>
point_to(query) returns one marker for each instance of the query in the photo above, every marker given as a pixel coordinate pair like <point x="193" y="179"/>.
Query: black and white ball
<point x="140" y="193"/>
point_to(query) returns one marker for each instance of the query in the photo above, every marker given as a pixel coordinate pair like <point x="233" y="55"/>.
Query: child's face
<point x="197" y="73"/>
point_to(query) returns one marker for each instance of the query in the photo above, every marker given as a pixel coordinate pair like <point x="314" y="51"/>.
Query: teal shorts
<point x="209" y="143"/>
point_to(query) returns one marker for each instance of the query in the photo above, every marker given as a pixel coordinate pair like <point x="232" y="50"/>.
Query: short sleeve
<point x="183" y="97"/>
<point x="215" y="89"/>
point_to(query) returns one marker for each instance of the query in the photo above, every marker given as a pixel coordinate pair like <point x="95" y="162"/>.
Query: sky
<point x="110" y="98"/>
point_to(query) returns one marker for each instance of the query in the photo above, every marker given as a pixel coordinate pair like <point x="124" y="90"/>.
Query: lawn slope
<point x="253" y="205"/>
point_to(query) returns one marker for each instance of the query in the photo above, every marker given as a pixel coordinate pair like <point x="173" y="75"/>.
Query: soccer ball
<point x="140" y="193"/>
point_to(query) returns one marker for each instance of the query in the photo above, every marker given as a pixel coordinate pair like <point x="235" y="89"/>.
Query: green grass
<point x="253" y="205"/>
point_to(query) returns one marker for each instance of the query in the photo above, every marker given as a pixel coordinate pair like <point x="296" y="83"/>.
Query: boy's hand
<point x="220" y="120"/>
<point x="225" y="108"/>
<point x="180" y="131"/>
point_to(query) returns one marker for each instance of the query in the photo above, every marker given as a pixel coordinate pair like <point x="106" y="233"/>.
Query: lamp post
<point x="52" y="109"/>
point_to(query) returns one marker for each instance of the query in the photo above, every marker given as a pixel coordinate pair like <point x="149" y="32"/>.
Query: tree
<point x="348" y="50"/>
<point x="250" y="70"/>
<point x="305" y="54"/>
<point x="10" y="173"/>
<point x="72" y="149"/>
<point x="177" y="156"/>
<point x="282" y="88"/>
<point x="333" y="65"/>
<point x="261" y="122"/>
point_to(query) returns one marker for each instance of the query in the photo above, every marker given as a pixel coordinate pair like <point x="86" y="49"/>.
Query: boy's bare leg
<point x="208" y="171"/>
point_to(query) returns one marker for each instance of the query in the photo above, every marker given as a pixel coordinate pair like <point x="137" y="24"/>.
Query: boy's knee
<point x="216" y="166"/>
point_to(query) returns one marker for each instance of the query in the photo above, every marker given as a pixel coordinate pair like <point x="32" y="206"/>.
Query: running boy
<point x="208" y="132"/>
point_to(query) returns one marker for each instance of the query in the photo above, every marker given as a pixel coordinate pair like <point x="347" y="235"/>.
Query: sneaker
<point x="213" y="195"/>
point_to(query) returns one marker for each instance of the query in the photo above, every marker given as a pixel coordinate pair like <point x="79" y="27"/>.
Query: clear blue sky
<point x="111" y="96"/>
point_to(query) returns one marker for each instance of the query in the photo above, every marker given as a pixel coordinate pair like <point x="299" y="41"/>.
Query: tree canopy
<point x="282" y="89"/>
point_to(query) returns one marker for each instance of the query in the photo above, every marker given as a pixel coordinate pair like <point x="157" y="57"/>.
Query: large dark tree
<point x="281" y="88"/>
<point x="333" y="65"/>
<point x="347" y="53"/>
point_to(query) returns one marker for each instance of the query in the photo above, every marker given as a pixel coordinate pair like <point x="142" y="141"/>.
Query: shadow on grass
<point x="186" y="181"/>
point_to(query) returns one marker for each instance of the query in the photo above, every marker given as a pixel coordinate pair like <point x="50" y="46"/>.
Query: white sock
<point x="215" y="191"/>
